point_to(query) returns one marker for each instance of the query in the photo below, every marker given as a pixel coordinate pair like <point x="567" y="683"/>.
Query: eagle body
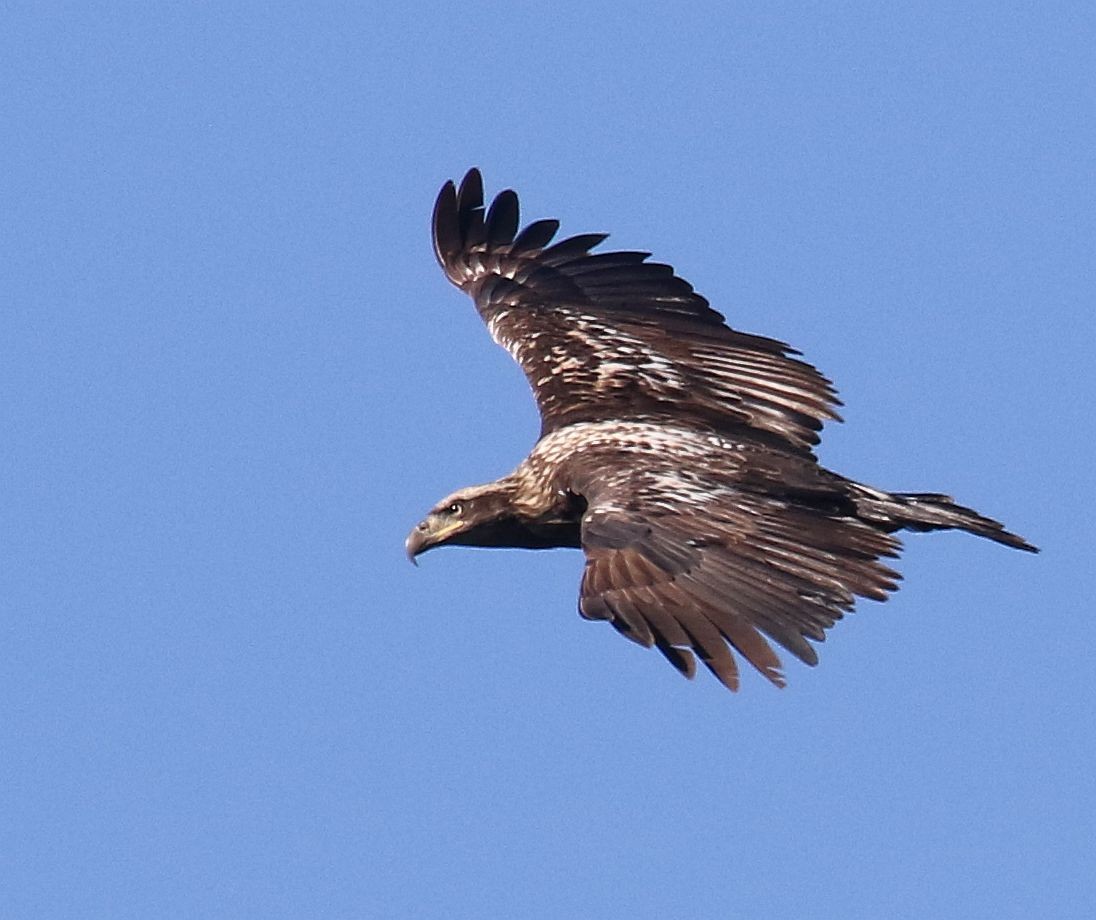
<point x="676" y="452"/>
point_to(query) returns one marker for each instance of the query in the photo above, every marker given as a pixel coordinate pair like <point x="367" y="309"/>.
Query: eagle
<point x="675" y="451"/>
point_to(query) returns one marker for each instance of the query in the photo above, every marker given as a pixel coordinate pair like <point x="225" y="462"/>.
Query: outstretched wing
<point x="611" y="335"/>
<point x="691" y="564"/>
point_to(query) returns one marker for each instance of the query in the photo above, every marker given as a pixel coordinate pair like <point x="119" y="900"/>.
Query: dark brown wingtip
<point x="445" y="225"/>
<point x="572" y="248"/>
<point x="503" y="218"/>
<point x="470" y="208"/>
<point x="681" y="658"/>
<point x="470" y="194"/>
<point x="535" y="236"/>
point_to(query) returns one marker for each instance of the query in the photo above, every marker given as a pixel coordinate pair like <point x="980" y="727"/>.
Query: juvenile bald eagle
<point x="676" y="452"/>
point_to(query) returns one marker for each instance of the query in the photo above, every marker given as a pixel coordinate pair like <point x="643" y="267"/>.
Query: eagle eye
<point x="455" y="509"/>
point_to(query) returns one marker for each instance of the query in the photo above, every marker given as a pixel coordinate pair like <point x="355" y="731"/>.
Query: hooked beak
<point x="430" y="533"/>
<point x="418" y="541"/>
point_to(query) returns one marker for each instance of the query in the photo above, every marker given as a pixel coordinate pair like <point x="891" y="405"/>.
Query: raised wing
<point x="693" y="565"/>
<point x="611" y="335"/>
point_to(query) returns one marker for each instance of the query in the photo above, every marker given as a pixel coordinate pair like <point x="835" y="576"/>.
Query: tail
<point x="892" y="511"/>
<point x="931" y="511"/>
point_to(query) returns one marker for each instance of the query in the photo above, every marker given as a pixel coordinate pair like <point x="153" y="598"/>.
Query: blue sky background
<point x="232" y="378"/>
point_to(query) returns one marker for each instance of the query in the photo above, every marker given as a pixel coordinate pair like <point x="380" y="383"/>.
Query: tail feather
<point x="932" y="511"/>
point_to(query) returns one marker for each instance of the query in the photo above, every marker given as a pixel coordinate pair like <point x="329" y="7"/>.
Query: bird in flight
<point x="674" y="451"/>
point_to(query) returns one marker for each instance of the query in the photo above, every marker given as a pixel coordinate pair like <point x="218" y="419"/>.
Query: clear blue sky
<point x="232" y="378"/>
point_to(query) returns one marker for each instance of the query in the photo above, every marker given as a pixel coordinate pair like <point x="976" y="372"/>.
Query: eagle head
<point x="500" y="514"/>
<point x="468" y="517"/>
